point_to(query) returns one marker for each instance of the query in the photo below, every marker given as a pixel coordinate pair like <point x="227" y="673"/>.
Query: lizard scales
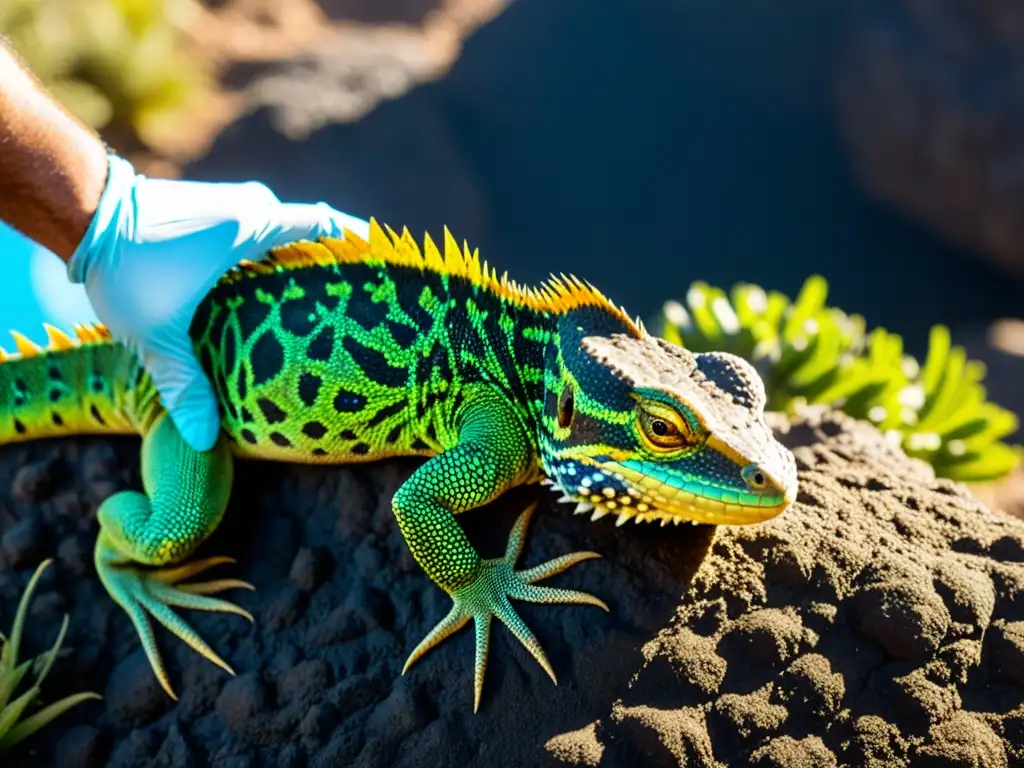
<point x="349" y="350"/>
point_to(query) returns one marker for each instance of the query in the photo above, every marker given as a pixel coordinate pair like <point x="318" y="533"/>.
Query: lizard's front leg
<point x="491" y="455"/>
<point x="186" y="493"/>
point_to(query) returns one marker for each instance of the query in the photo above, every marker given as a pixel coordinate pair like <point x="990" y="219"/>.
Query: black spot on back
<point x="419" y="445"/>
<point x="298" y="316"/>
<point x="220" y="319"/>
<point x="322" y="345"/>
<point x="407" y="293"/>
<point x="348" y="402"/>
<point x="387" y="412"/>
<point x="348" y="434"/>
<point x="360" y="449"/>
<point x="251" y="315"/>
<point x="248" y="436"/>
<point x="206" y="360"/>
<point x="54" y="395"/>
<point x="527" y="351"/>
<point x="230" y="350"/>
<point x="309" y="388"/>
<point x="314" y="429"/>
<point x="271" y="411"/>
<point x="97" y="383"/>
<point x="394" y="434"/>
<point x="405" y="336"/>
<point x="242" y="382"/>
<point x="278" y="439"/>
<point x="437" y="359"/>
<point x="19" y="427"/>
<point x="95" y="413"/>
<point x="364" y="310"/>
<point x="201" y="318"/>
<point x="319" y="452"/>
<point x="56" y="419"/>
<point x="375" y="365"/>
<point x="267" y="358"/>
<point x="53" y="372"/>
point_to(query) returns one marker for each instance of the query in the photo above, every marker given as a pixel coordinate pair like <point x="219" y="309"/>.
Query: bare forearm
<point x="52" y="168"/>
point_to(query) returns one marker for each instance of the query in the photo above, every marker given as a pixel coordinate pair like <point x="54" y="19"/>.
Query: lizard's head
<point x="648" y="431"/>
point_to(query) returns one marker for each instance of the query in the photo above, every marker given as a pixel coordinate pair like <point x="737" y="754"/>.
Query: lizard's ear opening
<point x="566" y="406"/>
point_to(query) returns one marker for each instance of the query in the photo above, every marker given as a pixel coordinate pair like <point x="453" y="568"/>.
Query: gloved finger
<point x="185" y="392"/>
<point x="308" y="221"/>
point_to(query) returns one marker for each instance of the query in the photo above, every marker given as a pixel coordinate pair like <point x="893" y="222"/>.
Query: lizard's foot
<point x="488" y="596"/>
<point x="141" y="591"/>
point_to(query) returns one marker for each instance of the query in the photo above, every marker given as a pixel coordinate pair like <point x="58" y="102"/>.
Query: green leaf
<point x="10" y="714"/>
<point x="995" y="462"/>
<point x="9" y="657"/>
<point x="807" y="351"/>
<point x="33" y="723"/>
<point x="10" y="681"/>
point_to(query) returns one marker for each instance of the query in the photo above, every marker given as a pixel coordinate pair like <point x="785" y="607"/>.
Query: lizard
<point x="347" y="350"/>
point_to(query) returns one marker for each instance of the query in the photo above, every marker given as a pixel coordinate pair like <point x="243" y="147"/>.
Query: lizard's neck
<point x="565" y="369"/>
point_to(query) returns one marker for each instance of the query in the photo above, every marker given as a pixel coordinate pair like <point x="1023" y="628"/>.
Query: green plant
<point x="12" y="728"/>
<point x="808" y="352"/>
<point x="113" y="63"/>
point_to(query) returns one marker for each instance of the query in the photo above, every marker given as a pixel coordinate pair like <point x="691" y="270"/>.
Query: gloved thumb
<point x="185" y="391"/>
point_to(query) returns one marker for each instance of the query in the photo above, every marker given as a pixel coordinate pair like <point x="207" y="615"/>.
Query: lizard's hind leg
<point x="186" y="493"/>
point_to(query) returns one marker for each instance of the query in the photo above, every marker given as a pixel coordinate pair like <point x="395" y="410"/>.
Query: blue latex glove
<point x="155" y="248"/>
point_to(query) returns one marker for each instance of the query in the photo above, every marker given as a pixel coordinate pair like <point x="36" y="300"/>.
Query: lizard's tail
<point x="82" y="386"/>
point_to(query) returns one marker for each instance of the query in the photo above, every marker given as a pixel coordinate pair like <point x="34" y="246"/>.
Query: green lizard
<point x="346" y="351"/>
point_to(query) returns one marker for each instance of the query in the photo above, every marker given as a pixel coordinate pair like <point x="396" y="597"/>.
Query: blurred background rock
<point x="639" y="143"/>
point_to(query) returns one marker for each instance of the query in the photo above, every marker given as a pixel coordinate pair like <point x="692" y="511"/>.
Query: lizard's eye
<point x="566" y="407"/>
<point x="754" y="477"/>
<point x="663" y="428"/>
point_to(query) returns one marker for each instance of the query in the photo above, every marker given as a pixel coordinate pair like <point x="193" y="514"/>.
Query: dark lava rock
<point x="134" y="696"/>
<point x="771" y="655"/>
<point x="36" y="481"/>
<point x="22" y="542"/>
<point x="80" y="747"/>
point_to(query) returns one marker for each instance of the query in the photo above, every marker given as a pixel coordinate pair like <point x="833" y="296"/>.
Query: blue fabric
<point x="157" y="246"/>
<point x="35" y="289"/>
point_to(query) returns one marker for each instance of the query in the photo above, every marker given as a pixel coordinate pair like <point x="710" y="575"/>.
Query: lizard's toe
<point x="143" y="593"/>
<point x="487" y="596"/>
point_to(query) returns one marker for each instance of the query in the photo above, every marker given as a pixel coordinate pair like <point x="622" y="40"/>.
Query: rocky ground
<point x="880" y="621"/>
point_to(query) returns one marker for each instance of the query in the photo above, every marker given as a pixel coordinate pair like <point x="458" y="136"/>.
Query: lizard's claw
<point x="488" y="596"/>
<point x="141" y="591"/>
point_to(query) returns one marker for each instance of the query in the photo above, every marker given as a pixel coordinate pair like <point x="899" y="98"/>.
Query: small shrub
<point x="809" y="352"/>
<point x="113" y="63"/>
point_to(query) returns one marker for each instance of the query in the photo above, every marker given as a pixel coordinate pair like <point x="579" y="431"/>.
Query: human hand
<point x="154" y="249"/>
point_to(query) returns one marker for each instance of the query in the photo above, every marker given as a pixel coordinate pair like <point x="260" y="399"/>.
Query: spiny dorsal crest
<point x="57" y="340"/>
<point x="557" y="295"/>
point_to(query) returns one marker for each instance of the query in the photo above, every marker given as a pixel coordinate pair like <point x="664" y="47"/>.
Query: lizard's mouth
<point x="649" y="496"/>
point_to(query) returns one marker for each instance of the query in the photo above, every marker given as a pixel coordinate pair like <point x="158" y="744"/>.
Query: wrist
<point x="52" y="167"/>
<point x="112" y="219"/>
